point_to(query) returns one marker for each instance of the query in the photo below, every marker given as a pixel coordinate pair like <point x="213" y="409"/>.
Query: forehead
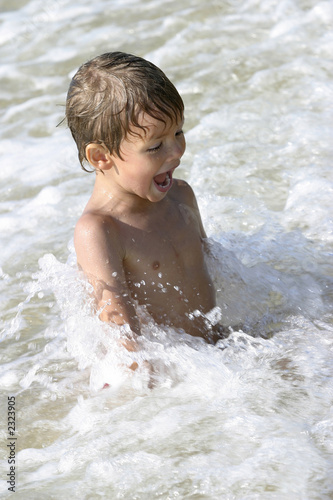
<point x="149" y="126"/>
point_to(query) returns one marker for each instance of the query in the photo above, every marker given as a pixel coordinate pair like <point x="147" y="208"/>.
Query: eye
<point x="155" y="148"/>
<point x="180" y="132"/>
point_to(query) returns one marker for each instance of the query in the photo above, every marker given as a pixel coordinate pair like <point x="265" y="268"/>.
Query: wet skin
<point x="140" y="237"/>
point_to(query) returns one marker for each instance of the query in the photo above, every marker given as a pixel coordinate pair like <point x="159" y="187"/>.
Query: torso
<point x="164" y="261"/>
<point x="163" y="256"/>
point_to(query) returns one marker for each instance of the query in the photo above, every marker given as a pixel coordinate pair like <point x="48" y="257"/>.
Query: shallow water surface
<point x="250" y="418"/>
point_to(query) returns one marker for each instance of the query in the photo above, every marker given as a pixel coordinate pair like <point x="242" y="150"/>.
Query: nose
<point x="177" y="148"/>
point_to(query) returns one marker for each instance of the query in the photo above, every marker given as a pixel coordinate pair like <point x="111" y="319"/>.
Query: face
<point x="149" y="159"/>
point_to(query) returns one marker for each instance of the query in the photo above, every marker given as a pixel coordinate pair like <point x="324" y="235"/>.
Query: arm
<point x="100" y="256"/>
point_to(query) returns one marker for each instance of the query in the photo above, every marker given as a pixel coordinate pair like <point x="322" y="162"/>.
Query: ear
<point x="98" y="156"/>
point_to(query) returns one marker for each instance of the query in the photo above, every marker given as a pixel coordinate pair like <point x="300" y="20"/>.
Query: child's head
<point x="109" y="93"/>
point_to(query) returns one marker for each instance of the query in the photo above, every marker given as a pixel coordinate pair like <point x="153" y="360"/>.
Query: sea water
<point x="249" y="418"/>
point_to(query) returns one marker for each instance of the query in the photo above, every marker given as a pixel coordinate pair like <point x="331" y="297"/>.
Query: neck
<point x="112" y="197"/>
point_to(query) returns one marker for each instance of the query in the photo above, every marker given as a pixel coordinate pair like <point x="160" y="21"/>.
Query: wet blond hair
<point x="109" y="93"/>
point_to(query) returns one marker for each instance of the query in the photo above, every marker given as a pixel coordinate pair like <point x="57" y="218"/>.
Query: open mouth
<point x="163" y="181"/>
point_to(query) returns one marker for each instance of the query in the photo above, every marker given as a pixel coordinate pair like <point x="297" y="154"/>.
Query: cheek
<point x="153" y="164"/>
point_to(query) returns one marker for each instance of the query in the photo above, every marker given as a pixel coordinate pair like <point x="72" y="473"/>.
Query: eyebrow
<point x="152" y="136"/>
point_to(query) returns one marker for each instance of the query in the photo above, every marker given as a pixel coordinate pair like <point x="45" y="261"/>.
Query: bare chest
<point x="164" y="264"/>
<point x="169" y="248"/>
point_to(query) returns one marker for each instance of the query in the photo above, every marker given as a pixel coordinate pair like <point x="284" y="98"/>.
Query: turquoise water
<point x="252" y="417"/>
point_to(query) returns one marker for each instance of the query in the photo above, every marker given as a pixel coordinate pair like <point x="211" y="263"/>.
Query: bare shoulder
<point x="184" y="195"/>
<point x="183" y="192"/>
<point x="95" y="236"/>
<point x="91" y="226"/>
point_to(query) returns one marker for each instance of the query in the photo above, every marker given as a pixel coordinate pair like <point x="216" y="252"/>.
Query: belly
<point x="177" y="301"/>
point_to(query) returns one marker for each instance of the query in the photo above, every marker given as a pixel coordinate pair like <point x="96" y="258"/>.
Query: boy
<point x="140" y="238"/>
